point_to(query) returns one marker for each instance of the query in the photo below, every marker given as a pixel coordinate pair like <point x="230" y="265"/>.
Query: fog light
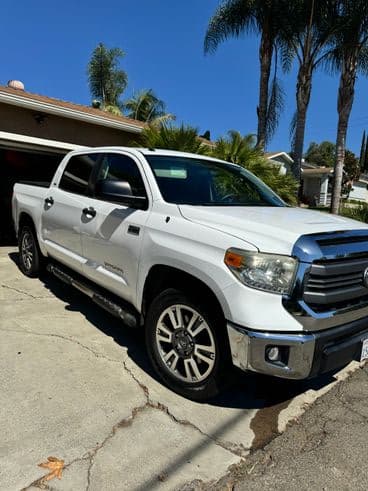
<point x="273" y="353"/>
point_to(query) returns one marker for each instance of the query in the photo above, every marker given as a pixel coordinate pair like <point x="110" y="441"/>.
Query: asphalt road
<point x="76" y="385"/>
<point x="324" y="449"/>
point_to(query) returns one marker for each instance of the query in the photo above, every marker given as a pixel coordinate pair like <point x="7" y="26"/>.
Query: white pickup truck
<point x="206" y="259"/>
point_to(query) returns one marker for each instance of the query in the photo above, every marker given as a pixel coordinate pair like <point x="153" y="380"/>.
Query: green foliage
<point x="359" y="212"/>
<point x="321" y="154"/>
<point x="106" y="81"/>
<point x="351" y="165"/>
<point x="110" y="108"/>
<point x="146" y="106"/>
<point x="166" y="135"/>
<point x="236" y="148"/>
<point x="362" y="155"/>
<point x="241" y="150"/>
<point x="275" y="106"/>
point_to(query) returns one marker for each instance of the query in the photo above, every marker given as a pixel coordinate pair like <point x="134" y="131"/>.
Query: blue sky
<point x="47" y="45"/>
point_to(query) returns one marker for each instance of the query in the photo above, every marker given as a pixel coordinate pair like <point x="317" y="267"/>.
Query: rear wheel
<point x="30" y="257"/>
<point x="187" y="345"/>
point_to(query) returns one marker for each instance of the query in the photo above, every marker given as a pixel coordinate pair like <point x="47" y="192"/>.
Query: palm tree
<point x="242" y="150"/>
<point x="146" y="106"/>
<point x="106" y="81"/>
<point x="350" y="57"/>
<point x="236" y="17"/>
<point x="184" y="138"/>
<point x="306" y="38"/>
<point x="236" y="148"/>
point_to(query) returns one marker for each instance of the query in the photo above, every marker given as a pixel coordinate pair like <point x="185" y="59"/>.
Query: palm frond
<point x="146" y="106"/>
<point x="106" y="81"/>
<point x="231" y="19"/>
<point x="184" y="138"/>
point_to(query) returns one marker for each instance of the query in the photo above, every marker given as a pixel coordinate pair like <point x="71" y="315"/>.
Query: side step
<point x="103" y="300"/>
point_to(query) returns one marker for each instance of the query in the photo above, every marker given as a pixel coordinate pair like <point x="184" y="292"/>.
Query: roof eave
<point x="270" y="156"/>
<point x="28" y="103"/>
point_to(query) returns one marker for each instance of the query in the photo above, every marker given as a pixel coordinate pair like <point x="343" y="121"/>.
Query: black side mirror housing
<point x="120" y="192"/>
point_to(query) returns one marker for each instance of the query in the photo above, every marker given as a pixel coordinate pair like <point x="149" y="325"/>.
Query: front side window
<point x="77" y="173"/>
<point x="120" y="167"/>
<point x="184" y="180"/>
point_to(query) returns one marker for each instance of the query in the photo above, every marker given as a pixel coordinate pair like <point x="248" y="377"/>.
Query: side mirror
<point x="120" y="192"/>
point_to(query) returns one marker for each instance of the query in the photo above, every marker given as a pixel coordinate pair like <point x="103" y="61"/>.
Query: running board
<point x="123" y="313"/>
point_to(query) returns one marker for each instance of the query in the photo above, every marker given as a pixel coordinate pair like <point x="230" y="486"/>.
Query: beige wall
<point x="19" y="120"/>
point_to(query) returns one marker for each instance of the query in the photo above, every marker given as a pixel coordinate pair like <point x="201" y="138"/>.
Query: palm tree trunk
<point x="344" y="105"/>
<point x="303" y="93"/>
<point x="265" y="59"/>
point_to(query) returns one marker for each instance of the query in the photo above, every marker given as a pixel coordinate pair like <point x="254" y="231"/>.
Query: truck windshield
<point x="185" y="180"/>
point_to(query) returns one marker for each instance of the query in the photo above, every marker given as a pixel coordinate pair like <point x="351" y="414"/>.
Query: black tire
<point x="30" y="256"/>
<point x="212" y="383"/>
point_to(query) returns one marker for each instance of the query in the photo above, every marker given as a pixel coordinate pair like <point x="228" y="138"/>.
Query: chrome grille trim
<point x="333" y="282"/>
<point x="329" y="252"/>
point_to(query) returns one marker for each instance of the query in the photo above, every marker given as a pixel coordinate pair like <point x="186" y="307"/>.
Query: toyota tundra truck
<point x="204" y="258"/>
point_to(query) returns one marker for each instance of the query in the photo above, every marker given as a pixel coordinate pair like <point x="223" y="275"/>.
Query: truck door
<point x="112" y="234"/>
<point x="63" y="211"/>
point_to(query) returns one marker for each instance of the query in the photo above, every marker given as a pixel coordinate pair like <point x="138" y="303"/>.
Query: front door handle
<point x="89" y="212"/>
<point x="49" y="201"/>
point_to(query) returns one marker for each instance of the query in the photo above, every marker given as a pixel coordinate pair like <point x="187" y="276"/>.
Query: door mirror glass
<point x="119" y="192"/>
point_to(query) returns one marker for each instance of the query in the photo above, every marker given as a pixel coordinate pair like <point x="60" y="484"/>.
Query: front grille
<point x="336" y="283"/>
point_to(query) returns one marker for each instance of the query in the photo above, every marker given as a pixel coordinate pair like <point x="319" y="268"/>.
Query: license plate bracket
<point x="364" y="352"/>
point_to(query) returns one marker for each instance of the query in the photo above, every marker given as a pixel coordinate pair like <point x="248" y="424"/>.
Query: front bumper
<point x="305" y="354"/>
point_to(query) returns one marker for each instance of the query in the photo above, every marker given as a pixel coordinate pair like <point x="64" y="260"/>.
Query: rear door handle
<point x="49" y="201"/>
<point x="89" y="212"/>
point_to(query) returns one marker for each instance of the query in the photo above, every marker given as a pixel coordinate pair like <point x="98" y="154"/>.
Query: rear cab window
<point x="77" y="173"/>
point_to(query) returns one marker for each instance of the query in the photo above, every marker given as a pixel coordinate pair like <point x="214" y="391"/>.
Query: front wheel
<point x="187" y="344"/>
<point x="30" y="259"/>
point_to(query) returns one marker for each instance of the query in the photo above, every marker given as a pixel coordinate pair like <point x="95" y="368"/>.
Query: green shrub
<point x="242" y="150"/>
<point x="359" y="212"/>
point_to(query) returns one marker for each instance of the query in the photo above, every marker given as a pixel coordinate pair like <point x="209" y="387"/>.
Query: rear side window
<point x="78" y="172"/>
<point x="120" y="167"/>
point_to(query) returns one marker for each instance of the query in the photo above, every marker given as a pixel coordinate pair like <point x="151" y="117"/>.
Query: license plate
<point x="364" y="353"/>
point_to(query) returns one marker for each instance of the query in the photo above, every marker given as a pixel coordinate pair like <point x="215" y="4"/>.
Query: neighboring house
<point x="359" y="191"/>
<point x="316" y="181"/>
<point x="282" y="160"/>
<point x="37" y="131"/>
<point x="316" y="185"/>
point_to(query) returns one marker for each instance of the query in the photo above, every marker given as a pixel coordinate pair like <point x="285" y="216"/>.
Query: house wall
<point x="279" y="161"/>
<point x="311" y="188"/>
<point x="15" y="119"/>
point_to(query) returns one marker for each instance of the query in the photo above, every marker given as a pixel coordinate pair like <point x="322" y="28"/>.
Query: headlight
<point x="268" y="272"/>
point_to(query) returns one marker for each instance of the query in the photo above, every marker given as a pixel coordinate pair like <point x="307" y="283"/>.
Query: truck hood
<point x="270" y="229"/>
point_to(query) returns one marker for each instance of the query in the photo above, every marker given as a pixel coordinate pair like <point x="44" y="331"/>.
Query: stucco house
<point x="280" y="159"/>
<point x="316" y="181"/>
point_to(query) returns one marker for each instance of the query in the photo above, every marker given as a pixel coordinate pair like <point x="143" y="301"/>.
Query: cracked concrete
<point x="76" y="384"/>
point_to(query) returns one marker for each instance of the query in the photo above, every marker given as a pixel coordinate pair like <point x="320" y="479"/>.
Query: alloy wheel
<point x="185" y="343"/>
<point x="27" y="250"/>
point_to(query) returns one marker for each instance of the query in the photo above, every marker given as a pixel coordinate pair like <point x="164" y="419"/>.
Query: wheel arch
<point x="161" y="277"/>
<point x="26" y="219"/>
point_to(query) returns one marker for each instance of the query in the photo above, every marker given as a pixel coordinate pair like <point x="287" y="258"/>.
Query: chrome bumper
<point x="248" y="351"/>
<point x="306" y="354"/>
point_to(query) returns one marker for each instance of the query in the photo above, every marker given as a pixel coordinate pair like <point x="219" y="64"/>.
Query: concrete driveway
<point x="76" y="385"/>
